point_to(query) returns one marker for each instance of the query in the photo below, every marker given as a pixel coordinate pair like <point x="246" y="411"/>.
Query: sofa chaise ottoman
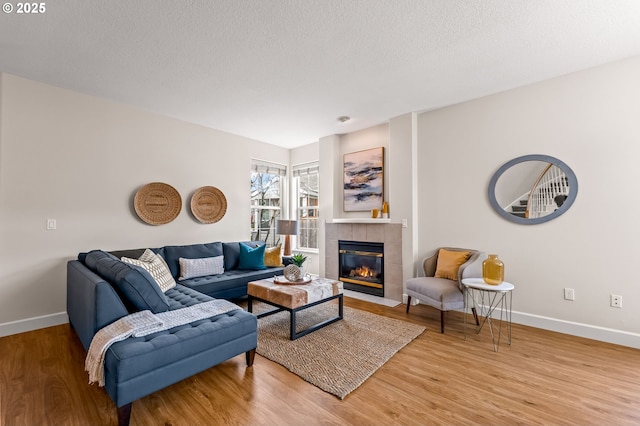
<point x="102" y="289"/>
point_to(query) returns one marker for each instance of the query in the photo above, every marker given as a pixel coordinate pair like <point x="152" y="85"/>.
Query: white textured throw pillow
<point x="157" y="268"/>
<point x="191" y="268"/>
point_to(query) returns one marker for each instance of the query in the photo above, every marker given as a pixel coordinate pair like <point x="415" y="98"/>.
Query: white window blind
<point x="258" y="166"/>
<point x="306" y="169"/>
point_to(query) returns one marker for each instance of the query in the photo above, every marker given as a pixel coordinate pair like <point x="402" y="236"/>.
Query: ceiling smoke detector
<point x="343" y="119"/>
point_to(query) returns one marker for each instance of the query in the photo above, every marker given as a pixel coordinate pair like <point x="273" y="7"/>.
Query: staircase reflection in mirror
<point x="533" y="189"/>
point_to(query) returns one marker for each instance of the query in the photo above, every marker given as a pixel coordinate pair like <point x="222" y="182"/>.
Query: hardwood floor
<point x="544" y="378"/>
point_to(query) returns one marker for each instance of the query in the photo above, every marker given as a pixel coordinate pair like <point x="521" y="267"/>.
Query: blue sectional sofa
<point x="101" y="289"/>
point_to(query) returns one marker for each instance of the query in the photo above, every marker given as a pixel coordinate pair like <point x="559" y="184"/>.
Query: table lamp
<point x="287" y="228"/>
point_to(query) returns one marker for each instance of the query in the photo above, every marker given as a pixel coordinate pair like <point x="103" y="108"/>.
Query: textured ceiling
<point x="282" y="71"/>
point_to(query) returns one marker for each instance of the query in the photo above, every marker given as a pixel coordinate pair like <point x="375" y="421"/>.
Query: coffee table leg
<point x="292" y="324"/>
<point x="250" y="304"/>
<point x="293" y="335"/>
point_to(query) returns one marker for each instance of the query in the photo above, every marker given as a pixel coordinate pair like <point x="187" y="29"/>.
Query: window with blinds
<point x="306" y="177"/>
<point x="267" y="192"/>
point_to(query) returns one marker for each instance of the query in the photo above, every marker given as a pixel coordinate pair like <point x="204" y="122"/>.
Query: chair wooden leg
<point x="408" y="303"/>
<point x="441" y="321"/>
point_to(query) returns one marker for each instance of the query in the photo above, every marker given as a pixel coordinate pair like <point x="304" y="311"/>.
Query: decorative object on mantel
<point x="157" y="203"/>
<point x="208" y="204"/>
<point x="287" y="228"/>
<point x="363" y="180"/>
<point x="493" y="270"/>
<point x="374" y="213"/>
<point x="385" y="210"/>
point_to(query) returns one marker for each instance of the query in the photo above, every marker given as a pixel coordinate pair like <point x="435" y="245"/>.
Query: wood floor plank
<point x="543" y="378"/>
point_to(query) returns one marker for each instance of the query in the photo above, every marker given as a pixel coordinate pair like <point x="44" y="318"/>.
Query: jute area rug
<point x="337" y="358"/>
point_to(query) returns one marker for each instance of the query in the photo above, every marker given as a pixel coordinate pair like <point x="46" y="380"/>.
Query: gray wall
<point x="589" y="120"/>
<point x="439" y="169"/>
<point x="80" y="160"/>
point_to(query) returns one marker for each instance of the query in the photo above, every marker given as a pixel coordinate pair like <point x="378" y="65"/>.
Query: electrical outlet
<point x="616" y="301"/>
<point x="51" y="224"/>
<point x="569" y="294"/>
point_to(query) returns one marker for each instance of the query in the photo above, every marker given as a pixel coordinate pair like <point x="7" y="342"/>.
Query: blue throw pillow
<point x="232" y="253"/>
<point x="251" y="258"/>
<point x="91" y="259"/>
<point x="135" y="284"/>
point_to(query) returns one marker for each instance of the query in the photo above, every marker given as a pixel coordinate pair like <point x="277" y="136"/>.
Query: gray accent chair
<point x="442" y="293"/>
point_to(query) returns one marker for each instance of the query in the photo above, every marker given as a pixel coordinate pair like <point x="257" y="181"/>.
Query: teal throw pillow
<point x="252" y="258"/>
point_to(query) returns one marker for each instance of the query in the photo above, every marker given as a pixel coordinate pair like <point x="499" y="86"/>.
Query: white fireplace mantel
<point x="358" y="220"/>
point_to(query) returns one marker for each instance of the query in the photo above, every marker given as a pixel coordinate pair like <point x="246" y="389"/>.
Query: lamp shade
<point x="287" y="227"/>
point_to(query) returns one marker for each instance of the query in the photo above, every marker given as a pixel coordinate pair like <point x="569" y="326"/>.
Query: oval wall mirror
<point x="533" y="189"/>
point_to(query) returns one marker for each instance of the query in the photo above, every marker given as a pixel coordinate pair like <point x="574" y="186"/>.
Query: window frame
<point x="257" y="210"/>
<point x="299" y="172"/>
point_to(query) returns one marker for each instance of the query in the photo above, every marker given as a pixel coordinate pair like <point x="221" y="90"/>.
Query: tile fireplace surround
<point x="388" y="233"/>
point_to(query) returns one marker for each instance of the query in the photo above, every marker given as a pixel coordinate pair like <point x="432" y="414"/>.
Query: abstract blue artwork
<point x="363" y="180"/>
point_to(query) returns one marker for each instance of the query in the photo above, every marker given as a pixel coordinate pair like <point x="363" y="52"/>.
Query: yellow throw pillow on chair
<point x="449" y="262"/>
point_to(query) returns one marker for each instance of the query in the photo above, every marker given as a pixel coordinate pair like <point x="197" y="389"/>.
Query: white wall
<point x="403" y="173"/>
<point x="590" y="121"/>
<point x="372" y="137"/>
<point x="80" y="160"/>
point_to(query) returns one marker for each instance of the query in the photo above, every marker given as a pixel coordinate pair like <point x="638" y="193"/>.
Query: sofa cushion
<point x="190" y="268"/>
<point x="91" y="259"/>
<point x="183" y="297"/>
<point x="172" y="254"/>
<point x="232" y="253"/>
<point x="130" y="253"/>
<point x="251" y="258"/>
<point x="135" y="284"/>
<point x="231" y="284"/>
<point x="168" y="351"/>
<point x="156" y="266"/>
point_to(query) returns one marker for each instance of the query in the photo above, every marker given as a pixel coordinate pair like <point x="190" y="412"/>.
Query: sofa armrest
<point x="92" y="303"/>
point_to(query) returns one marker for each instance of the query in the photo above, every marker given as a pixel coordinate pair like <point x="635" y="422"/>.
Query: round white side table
<point x="486" y="299"/>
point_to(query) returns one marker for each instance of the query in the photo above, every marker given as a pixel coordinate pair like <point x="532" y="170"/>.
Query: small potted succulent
<point x="298" y="259"/>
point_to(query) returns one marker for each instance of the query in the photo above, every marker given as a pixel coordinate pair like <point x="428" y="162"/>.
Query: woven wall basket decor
<point x="157" y="203"/>
<point x="208" y="204"/>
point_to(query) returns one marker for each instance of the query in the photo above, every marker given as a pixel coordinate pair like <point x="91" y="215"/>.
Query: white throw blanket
<point x="144" y="323"/>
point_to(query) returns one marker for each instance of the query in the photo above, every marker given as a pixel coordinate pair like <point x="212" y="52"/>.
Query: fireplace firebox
<point x="361" y="266"/>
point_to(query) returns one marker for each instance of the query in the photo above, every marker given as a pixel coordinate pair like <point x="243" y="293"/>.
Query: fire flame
<point x="362" y="271"/>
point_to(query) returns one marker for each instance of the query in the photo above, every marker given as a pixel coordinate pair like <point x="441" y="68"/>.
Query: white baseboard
<point x="30" y="324"/>
<point x="609" y="335"/>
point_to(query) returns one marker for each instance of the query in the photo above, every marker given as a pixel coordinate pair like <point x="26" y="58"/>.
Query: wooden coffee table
<point x="296" y="298"/>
